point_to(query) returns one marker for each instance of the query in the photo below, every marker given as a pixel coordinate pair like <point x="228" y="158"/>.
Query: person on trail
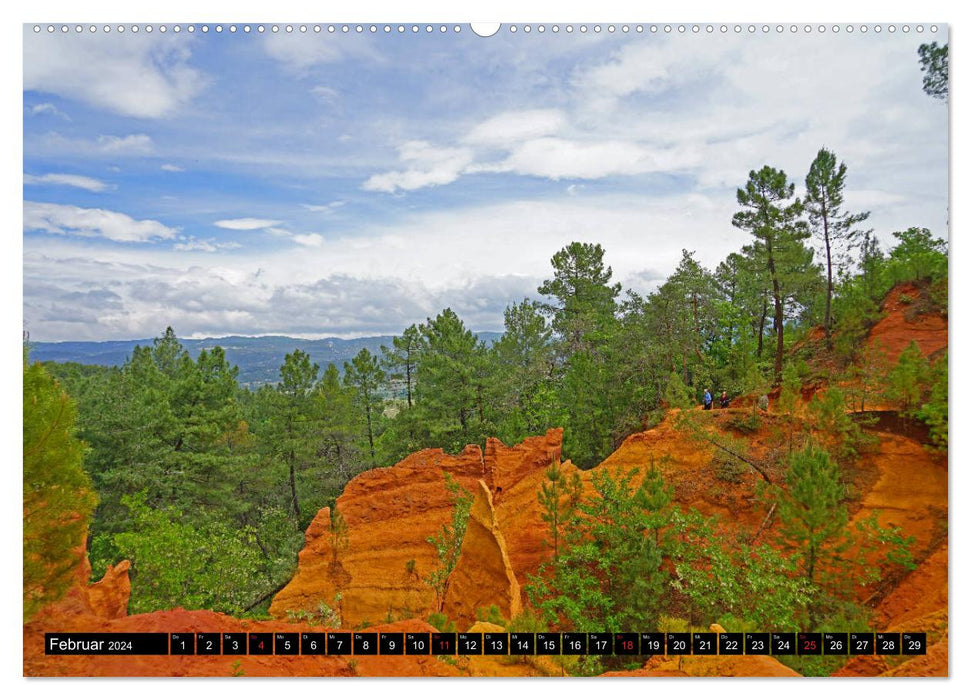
<point x="723" y="401"/>
<point x="707" y="400"/>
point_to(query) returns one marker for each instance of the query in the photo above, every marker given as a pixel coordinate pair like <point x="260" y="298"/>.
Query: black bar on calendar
<point x="106" y="643"/>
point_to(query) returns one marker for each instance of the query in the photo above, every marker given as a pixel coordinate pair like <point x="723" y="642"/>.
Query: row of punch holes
<point x="512" y="28"/>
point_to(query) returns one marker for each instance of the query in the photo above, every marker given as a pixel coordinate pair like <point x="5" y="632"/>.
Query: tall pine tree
<point x="827" y="219"/>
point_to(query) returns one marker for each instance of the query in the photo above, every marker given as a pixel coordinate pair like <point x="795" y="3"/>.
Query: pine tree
<point x="365" y="376"/>
<point x="584" y="296"/>
<point x="523" y="387"/>
<point x="812" y="517"/>
<point x="450" y="384"/>
<point x="559" y="497"/>
<point x="298" y="378"/>
<point x="824" y="205"/>
<point x="772" y="217"/>
<point x="402" y="357"/>
<point x="336" y="426"/>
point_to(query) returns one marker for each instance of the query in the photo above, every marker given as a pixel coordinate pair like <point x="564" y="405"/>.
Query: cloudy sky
<point x="330" y="184"/>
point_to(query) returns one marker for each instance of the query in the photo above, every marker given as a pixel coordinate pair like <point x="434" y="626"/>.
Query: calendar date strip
<point x="486" y="643"/>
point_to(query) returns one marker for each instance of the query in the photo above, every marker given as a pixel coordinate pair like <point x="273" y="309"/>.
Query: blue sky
<point x="331" y="184"/>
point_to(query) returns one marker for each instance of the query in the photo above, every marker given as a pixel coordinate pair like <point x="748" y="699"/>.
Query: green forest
<point x="207" y="486"/>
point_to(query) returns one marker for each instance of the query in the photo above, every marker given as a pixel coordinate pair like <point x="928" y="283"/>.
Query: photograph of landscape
<point x="527" y="344"/>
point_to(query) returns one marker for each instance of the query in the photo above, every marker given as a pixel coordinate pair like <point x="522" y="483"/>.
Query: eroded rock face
<point x="379" y="574"/>
<point x="905" y="319"/>
<point x="483" y="576"/>
<point x="108" y="598"/>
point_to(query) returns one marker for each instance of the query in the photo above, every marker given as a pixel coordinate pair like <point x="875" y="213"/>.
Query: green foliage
<point x="451" y="386"/>
<point x="676" y="394"/>
<point x="778" y="249"/>
<point x="584" y="297"/>
<point x="212" y="566"/>
<point x="523" y="388"/>
<point x="610" y="574"/>
<point x="832" y="558"/>
<point x="631" y="559"/>
<point x="908" y="380"/>
<point x="440" y="621"/>
<point x="749" y="422"/>
<point x="790" y="397"/>
<point x="323" y="616"/>
<point x="402" y="358"/>
<point x="934" y="65"/>
<point x="728" y="468"/>
<point x="868" y="377"/>
<point x="365" y="376"/>
<point x="58" y="498"/>
<point x="833" y="226"/>
<point x="835" y="427"/>
<point x="559" y="497"/>
<point x="934" y="409"/>
<point x="918" y="255"/>
<point x="448" y="542"/>
<point x="493" y="615"/>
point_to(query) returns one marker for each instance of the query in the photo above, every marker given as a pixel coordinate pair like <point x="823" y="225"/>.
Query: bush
<point x="744" y="422"/>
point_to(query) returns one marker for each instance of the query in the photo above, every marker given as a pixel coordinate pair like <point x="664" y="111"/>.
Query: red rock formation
<point x="483" y="576"/>
<point x="390" y="514"/>
<point x="108" y="597"/>
<point x="905" y="319"/>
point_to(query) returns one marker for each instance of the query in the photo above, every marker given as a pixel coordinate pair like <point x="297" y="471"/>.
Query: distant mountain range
<point x="258" y="359"/>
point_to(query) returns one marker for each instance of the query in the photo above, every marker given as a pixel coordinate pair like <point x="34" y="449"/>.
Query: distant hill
<point x="258" y="359"/>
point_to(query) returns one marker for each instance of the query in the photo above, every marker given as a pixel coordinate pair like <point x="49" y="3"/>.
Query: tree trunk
<point x="829" y="277"/>
<point x="765" y="311"/>
<point x="408" y="376"/>
<point x="778" y="318"/>
<point x="370" y="432"/>
<point x="293" y="487"/>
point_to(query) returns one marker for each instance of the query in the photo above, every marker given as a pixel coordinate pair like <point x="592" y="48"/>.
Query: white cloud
<point x="85" y="183"/>
<point x="170" y="168"/>
<point x="100" y="223"/>
<point x="312" y="240"/>
<point x="206" y="245"/>
<point x="428" y="166"/>
<point x="556" y="158"/>
<point x="133" y="143"/>
<point x="647" y="67"/>
<point x="510" y="127"/>
<point x="696" y="116"/>
<point x="298" y="53"/>
<point x="327" y="95"/>
<point x="375" y="279"/>
<point x="245" y="224"/>
<point x="709" y="109"/>
<point x="328" y="208"/>
<point x="146" y="76"/>
<point x="54" y="144"/>
<point x="47" y="108"/>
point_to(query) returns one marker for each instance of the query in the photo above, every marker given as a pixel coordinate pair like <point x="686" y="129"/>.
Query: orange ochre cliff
<point x="372" y="571"/>
<point x="376" y="571"/>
